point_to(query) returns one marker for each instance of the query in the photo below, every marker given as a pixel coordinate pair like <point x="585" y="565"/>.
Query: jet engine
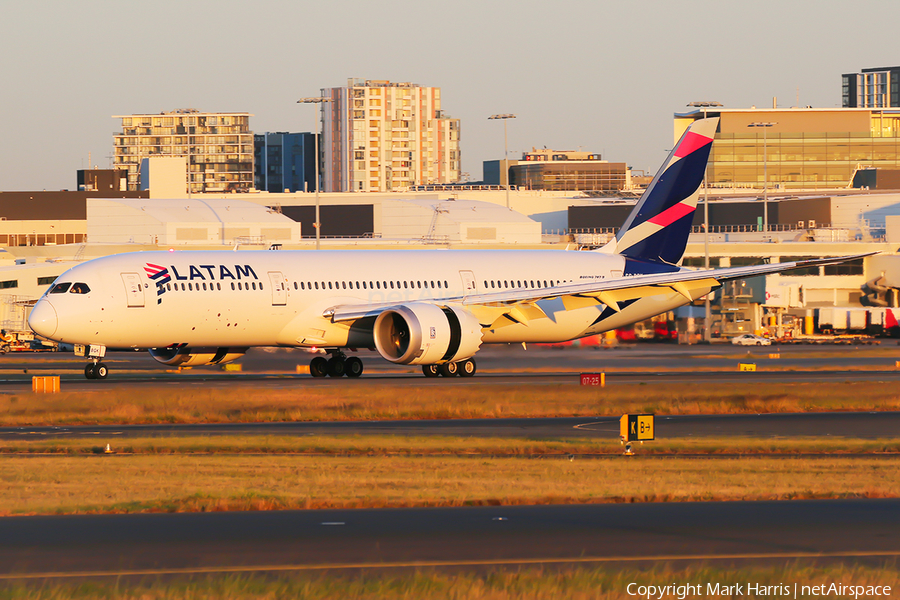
<point x="183" y="356"/>
<point x="425" y="334"/>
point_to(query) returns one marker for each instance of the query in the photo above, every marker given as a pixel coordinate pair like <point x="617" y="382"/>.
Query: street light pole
<point x="765" y="127"/>
<point x="504" y="117"/>
<point x="318" y="100"/>
<point x="707" y="321"/>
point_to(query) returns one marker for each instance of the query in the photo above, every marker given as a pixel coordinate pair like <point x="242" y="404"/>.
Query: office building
<point x="218" y="147"/>
<point x="559" y="170"/>
<point x="379" y="136"/>
<point x="797" y="148"/>
<point x="284" y="162"/>
<point x="872" y="88"/>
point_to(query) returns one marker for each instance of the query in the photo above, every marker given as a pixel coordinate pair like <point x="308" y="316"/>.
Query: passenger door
<point x="134" y="289"/>
<point x="279" y="288"/>
<point x="468" y="281"/>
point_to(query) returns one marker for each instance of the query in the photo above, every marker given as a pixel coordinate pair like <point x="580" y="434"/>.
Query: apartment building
<point x="218" y="147"/>
<point x="878" y="87"/>
<point x="379" y="136"/>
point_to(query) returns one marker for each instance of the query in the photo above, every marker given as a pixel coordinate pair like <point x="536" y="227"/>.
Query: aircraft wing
<point x="519" y="305"/>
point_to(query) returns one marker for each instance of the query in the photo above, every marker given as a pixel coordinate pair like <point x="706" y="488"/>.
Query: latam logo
<point x="160" y="275"/>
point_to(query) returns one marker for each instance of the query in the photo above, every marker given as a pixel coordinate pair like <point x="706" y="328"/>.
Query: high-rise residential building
<point x="218" y="147"/>
<point x="285" y="162"/>
<point x="878" y="87"/>
<point x="379" y="136"/>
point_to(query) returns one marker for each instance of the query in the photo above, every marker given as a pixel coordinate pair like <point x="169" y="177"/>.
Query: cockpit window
<point x="60" y="288"/>
<point x="80" y="288"/>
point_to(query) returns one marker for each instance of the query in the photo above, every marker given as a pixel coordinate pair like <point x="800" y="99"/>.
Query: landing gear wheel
<point x="101" y="371"/>
<point x="336" y="367"/>
<point x="430" y="370"/>
<point x="466" y="368"/>
<point x="448" y="369"/>
<point x="318" y="367"/>
<point x="353" y="367"/>
<point x="89" y="371"/>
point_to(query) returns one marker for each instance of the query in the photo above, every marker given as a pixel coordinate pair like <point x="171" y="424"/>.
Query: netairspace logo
<point x="781" y="590"/>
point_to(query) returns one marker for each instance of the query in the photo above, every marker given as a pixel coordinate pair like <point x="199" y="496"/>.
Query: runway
<point x="725" y="533"/>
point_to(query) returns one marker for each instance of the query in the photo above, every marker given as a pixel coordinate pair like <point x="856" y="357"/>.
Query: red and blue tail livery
<point x="657" y="229"/>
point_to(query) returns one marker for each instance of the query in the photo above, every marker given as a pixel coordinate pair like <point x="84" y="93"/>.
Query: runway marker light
<point x="596" y="379"/>
<point x="775" y="355"/>
<point x="108" y="450"/>
<point x="303" y="369"/>
<point x="746" y="366"/>
<point x="232" y="367"/>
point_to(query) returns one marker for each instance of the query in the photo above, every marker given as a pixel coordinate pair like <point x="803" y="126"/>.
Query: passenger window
<point x="492" y="284"/>
<point x="168" y="287"/>
<point x="329" y="285"/>
<point x="378" y="284"/>
<point x="295" y="285"/>
<point x="392" y="285"/>
<point x="419" y="284"/>
<point x="364" y="285"/>
<point x="204" y="287"/>
<point x="60" y="288"/>
<point x="260" y="285"/>
<point x="218" y="286"/>
<point x="240" y="285"/>
<point x="232" y="285"/>
<point x="253" y="284"/>
<point x="182" y="287"/>
<point x="191" y="287"/>
<point x="344" y="285"/>
<point x="404" y="285"/>
<point x="357" y="285"/>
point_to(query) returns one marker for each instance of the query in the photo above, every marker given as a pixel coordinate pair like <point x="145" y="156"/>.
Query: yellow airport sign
<point x="635" y="428"/>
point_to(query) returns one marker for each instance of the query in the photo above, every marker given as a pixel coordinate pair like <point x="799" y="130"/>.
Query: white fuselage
<point x="277" y="298"/>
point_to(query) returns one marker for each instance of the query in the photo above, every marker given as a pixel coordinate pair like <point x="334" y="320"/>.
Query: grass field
<point x="248" y="403"/>
<point x="583" y="583"/>
<point x="188" y="483"/>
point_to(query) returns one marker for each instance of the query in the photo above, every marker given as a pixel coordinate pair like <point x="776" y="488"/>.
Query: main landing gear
<point x="336" y="366"/>
<point x="463" y="368"/>
<point x="96" y="370"/>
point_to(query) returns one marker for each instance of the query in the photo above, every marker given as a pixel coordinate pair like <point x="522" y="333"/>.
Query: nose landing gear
<point x="96" y="370"/>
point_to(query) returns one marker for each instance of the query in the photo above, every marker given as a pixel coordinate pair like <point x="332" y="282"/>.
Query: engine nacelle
<point x="183" y="356"/>
<point x="426" y="334"/>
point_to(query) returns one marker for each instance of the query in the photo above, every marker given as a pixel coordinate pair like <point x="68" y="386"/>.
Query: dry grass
<point x="603" y="583"/>
<point x="89" y="484"/>
<point x="439" y="445"/>
<point x="409" y="400"/>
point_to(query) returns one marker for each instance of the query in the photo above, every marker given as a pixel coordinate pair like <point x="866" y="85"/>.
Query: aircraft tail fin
<point x="658" y="227"/>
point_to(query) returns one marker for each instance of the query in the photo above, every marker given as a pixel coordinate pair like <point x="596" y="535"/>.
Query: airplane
<point x="433" y="308"/>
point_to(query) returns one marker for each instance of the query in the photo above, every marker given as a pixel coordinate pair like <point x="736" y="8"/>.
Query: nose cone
<point x="43" y="319"/>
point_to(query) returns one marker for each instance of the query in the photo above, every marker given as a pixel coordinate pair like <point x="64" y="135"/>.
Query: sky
<point x="592" y="75"/>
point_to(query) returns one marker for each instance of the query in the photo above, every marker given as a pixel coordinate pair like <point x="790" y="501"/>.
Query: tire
<point x="4" y="348"/>
<point x="101" y="371"/>
<point x="89" y="371"/>
<point x="449" y="369"/>
<point x="467" y="368"/>
<point x="318" y="367"/>
<point x="336" y="367"/>
<point x="430" y="370"/>
<point x="353" y="367"/>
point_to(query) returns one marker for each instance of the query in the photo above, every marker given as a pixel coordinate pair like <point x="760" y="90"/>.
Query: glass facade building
<point x="804" y="148"/>
<point x="285" y="162"/>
